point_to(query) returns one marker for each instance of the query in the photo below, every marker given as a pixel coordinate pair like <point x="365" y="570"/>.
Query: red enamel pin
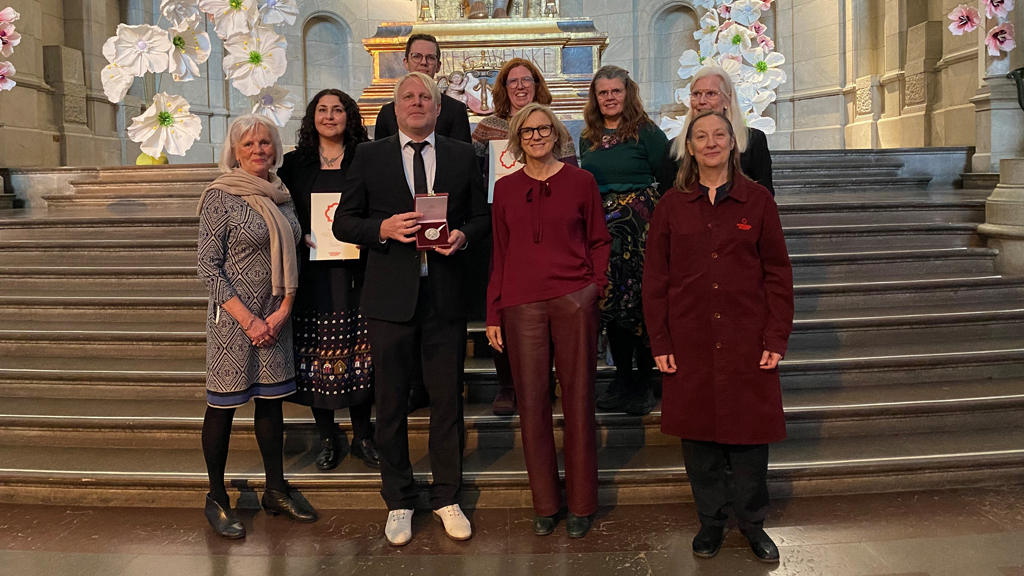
<point x="743" y="225"/>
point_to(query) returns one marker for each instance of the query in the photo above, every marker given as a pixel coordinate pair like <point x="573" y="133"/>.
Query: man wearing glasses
<point x="423" y="54"/>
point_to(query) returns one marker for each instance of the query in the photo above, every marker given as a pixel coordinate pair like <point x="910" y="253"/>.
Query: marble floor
<point x="976" y="532"/>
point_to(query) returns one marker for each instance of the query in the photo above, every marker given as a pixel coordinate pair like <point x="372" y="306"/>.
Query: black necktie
<point x="419" y="168"/>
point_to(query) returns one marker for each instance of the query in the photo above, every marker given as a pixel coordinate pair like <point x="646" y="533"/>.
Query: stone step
<point x="819" y="210"/>
<point x="39" y="225"/>
<point x="113" y="278"/>
<point x="861" y="184"/>
<point x="869" y="365"/>
<point x="85" y="191"/>
<point x="785" y="170"/>
<point x="853" y="265"/>
<point x="826" y="413"/>
<point x="7" y="201"/>
<point x="98" y="252"/>
<point x="857" y="237"/>
<point x="169" y="173"/>
<point x="497" y="476"/>
<point x="937" y="290"/>
<point x="176" y="200"/>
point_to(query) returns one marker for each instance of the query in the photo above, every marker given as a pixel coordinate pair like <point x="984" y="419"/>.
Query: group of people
<point x="674" y="250"/>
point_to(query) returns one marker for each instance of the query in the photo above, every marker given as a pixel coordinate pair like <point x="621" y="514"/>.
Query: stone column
<point x="64" y="71"/>
<point x="1004" y="217"/>
<point x="924" y="50"/>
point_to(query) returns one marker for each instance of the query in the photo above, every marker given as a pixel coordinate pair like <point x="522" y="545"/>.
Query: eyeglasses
<point x="417" y="58"/>
<point x="542" y="131"/>
<point x="615" y="92"/>
<point x="701" y="94"/>
<point x="524" y="81"/>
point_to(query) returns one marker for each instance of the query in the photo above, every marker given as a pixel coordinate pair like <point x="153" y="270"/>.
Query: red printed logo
<point x="330" y="212"/>
<point x="743" y="225"/>
<point x="506" y="159"/>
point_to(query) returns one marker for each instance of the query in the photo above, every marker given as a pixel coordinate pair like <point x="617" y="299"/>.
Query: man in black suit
<point x="423" y="54"/>
<point x="413" y="298"/>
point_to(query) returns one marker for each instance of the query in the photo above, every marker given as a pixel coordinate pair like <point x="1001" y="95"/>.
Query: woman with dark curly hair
<point x="624" y="149"/>
<point x="332" y="352"/>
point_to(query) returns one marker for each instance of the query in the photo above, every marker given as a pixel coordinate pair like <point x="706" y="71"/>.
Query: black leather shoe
<point x="708" y="541"/>
<point x="223" y="520"/>
<point x="328" y="457"/>
<point x="544" y="525"/>
<point x="639" y="405"/>
<point x="577" y="526"/>
<point x="367" y="452"/>
<point x="762" y="546"/>
<point x="292" y="506"/>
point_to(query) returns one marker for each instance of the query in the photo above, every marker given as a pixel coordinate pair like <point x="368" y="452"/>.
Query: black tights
<point x="269" y="424"/>
<point x="362" y="428"/>
<point x="624" y="344"/>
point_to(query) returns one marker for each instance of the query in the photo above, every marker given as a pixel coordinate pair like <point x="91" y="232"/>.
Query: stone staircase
<point x="905" y="369"/>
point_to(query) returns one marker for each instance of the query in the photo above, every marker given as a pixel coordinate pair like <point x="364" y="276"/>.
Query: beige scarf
<point x="264" y="197"/>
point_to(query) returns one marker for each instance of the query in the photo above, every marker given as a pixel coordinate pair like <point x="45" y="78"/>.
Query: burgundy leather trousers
<point x="570" y="323"/>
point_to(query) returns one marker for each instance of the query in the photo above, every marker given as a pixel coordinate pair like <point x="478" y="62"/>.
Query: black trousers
<point x="723" y="473"/>
<point x="440" y="344"/>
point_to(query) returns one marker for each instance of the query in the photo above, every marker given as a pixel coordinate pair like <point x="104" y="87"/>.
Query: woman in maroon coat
<point x="718" y="300"/>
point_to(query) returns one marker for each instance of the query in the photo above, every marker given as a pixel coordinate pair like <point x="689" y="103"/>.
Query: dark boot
<point x="223" y="520"/>
<point x="708" y="541"/>
<point x="762" y="545"/>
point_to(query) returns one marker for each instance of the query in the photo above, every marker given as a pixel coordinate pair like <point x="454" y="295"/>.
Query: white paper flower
<point x="191" y="48"/>
<point x="9" y="15"/>
<point x="116" y="82"/>
<point x="764" y="68"/>
<point x="6" y="71"/>
<point x="9" y="38"/>
<point x="279" y="11"/>
<point x="682" y="95"/>
<point x="734" y="39"/>
<point x="765" y="124"/>
<point x="140" y="49"/>
<point x="706" y="35"/>
<point x="672" y="127"/>
<point x="274" y="103"/>
<point x="689" y="63"/>
<point x="752" y="98"/>
<point x="256" y="60"/>
<point x="731" y="64"/>
<point x="745" y="12"/>
<point x="231" y="17"/>
<point x="178" y="11"/>
<point x="166" y="125"/>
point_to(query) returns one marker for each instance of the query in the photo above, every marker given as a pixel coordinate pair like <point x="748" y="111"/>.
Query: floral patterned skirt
<point x="332" y="360"/>
<point x="628" y="215"/>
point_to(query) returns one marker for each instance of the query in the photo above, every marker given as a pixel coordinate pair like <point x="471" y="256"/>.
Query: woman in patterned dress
<point x="624" y="149"/>
<point x="332" y="352"/>
<point x="247" y="259"/>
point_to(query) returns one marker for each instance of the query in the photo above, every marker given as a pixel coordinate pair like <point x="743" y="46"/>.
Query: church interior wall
<point x="861" y="73"/>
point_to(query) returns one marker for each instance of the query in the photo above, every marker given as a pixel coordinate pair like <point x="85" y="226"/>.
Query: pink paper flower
<point x="766" y="4"/>
<point x="1000" y="8"/>
<point x="765" y="42"/>
<point x="758" y="28"/>
<point x="999" y="39"/>
<point x="725" y="11"/>
<point x="965" y="19"/>
<point x="9" y="38"/>
<point x="9" y="15"/>
<point x="6" y="71"/>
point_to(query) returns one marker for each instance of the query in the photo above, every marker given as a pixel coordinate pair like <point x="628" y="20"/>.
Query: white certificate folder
<point x="322" y="206"/>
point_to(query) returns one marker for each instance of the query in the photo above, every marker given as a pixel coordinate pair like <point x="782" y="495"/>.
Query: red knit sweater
<point x="550" y="239"/>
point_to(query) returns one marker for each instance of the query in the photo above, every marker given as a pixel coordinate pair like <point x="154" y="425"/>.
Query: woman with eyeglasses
<point x="712" y="89"/>
<point x="624" y="149"/>
<point x="551" y="248"/>
<point x="518" y="84"/>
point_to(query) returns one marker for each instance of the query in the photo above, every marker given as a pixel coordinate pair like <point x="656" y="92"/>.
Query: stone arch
<point x="326" y="54"/>
<point x="671" y="31"/>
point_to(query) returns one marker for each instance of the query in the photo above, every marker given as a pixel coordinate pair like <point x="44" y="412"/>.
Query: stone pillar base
<point x="1004" y="217"/>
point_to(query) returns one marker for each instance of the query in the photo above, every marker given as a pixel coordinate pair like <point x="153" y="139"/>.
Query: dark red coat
<point x="718" y="291"/>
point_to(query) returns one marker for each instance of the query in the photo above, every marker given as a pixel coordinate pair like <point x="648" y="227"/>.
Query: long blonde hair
<point x="734" y="114"/>
<point x="689" y="171"/>
<point x="633" y="116"/>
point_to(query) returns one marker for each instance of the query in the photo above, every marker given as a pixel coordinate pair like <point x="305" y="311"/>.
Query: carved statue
<point x="466" y="9"/>
<point x="451" y="9"/>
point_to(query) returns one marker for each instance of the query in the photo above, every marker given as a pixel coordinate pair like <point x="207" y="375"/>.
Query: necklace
<point x="329" y="162"/>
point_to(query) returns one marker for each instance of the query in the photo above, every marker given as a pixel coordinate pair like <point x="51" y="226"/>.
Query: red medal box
<point x="433" y="232"/>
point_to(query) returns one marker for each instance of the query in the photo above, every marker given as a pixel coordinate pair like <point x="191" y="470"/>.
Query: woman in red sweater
<point x="718" y="301"/>
<point x="551" y="248"/>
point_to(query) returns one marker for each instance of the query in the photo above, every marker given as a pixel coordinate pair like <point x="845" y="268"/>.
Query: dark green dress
<point x="626" y="175"/>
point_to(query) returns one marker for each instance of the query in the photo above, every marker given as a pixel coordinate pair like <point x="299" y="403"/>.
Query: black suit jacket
<point x="756" y="163"/>
<point x="376" y="189"/>
<point x="452" y="122"/>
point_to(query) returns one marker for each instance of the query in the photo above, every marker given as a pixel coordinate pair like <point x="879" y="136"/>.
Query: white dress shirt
<point x="429" y="160"/>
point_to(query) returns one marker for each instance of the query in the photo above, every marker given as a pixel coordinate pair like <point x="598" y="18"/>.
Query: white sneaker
<point x="399" y="528"/>
<point x="456" y="525"/>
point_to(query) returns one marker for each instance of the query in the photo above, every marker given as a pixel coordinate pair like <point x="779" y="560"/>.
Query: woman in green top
<point x="623" y="149"/>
